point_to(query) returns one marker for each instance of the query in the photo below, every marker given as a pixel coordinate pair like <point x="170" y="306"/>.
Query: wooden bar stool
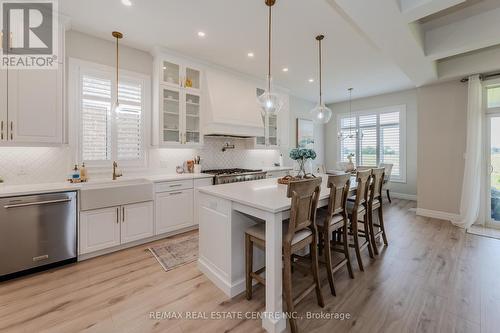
<point x="334" y="220"/>
<point x="299" y="232"/>
<point x="375" y="204"/>
<point x="358" y="215"/>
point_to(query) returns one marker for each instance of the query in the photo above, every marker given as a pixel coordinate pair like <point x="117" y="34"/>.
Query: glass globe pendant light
<point x="270" y="102"/>
<point x="343" y="136"/>
<point x="320" y="114"/>
<point x="118" y="35"/>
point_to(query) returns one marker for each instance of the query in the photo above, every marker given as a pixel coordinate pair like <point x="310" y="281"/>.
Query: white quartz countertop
<point x="30" y="189"/>
<point x="265" y="194"/>
<point x="280" y="168"/>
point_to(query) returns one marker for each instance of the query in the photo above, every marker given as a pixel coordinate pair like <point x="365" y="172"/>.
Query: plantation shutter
<point x="129" y="122"/>
<point x="368" y="142"/>
<point x="95" y="118"/>
<point x="390" y="141"/>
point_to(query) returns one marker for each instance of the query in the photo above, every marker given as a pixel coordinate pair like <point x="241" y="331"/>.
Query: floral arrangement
<point x="302" y="154"/>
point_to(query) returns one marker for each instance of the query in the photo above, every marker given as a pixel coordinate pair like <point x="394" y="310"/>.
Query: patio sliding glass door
<point x="493" y="134"/>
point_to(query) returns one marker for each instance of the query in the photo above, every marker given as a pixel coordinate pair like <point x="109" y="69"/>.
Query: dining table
<point x="225" y="212"/>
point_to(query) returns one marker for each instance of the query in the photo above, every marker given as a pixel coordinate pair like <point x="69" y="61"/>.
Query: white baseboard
<point x="435" y="214"/>
<point x="403" y="196"/>
<point x="217" y="278"/>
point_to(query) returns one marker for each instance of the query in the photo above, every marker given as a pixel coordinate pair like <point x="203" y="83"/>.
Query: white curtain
<point x="471" y="202"/>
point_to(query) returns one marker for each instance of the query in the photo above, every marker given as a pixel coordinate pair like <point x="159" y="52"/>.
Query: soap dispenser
<point x="83" y="173"/>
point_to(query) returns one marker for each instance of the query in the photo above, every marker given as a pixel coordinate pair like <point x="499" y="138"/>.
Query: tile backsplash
<point x="24" y="165"/>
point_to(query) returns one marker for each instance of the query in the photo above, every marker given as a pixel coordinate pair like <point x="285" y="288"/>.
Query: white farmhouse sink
<point x="108" y="193"/>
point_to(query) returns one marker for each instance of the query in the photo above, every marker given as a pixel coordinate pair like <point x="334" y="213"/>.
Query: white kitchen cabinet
<point x="179" y="101"/>
<point x="137" y="222"/>
<point x="35" y="106"/>
<point x="3" y="105"/>
<point x="99" y="229"/>
<point x="174" y="210"/>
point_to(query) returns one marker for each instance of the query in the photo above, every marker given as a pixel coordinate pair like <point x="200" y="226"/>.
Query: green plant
<point x="302" y="154"/>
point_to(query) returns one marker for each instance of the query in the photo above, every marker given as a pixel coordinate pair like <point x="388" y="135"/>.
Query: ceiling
<point x="234" y="28"/>
<point x="373" y="46"/>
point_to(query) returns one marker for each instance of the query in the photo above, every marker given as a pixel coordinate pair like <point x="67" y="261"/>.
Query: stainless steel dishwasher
<point x="37" y="232"/>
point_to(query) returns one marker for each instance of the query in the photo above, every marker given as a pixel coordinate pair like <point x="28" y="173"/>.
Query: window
<point x="493" y="97"/>
<point x="379" y="140"/>
<point x="105" y="134"/>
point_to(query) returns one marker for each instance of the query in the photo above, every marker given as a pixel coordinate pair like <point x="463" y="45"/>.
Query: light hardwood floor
<point x="433" y="277"/>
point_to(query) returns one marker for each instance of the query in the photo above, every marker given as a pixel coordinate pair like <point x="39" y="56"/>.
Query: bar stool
<point x="375" y="204"/>
<point x="334" y="220"/>
<point x="299" y="232"/>
<point x="358" y="215"/>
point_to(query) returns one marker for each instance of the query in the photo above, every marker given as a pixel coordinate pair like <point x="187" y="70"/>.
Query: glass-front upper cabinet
<point x="171" y="114"/>
<point x="179" y="75"/>
<point x="180" y="103"/>
<point x="192" y="128"/>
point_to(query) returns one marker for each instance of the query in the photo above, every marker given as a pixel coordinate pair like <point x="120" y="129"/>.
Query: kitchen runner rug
<point x="176" y="252"/>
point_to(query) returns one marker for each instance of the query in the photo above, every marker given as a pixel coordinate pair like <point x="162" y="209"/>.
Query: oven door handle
<point x="37" y="203"/>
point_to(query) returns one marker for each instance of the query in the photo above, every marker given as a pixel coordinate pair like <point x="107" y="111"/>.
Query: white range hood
<point x="232" y="108"/>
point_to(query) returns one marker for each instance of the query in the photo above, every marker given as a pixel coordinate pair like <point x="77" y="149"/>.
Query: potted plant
<point x="301" y="155"/>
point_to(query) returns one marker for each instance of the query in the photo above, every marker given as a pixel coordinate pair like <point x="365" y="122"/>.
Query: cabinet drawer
<point x="174" y="186"/>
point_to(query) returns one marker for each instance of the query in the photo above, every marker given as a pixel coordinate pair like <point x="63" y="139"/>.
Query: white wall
<point x="101" y="51"/>
<point x="299" y="108"/>
<point x="408" y="98"/>
<point x="442" y="119"/>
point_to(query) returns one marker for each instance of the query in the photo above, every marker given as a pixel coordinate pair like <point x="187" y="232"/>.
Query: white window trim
<point x="75" y="67"/>
<point x="402" y="134"/>
<point x="486" y="85"/>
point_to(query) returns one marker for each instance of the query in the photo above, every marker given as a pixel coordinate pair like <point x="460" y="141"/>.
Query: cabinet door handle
<point x="123" y="214"/>
<point x="175" y="193"/>
<point x="175" y="185"/>
<point x="117" y="215"/>
<point x="1" y="130"/>
<point x="11" y="130"/>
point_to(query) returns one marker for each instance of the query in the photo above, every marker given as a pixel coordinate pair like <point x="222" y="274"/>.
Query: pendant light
<point x="320" y="114"/>
<point x="351" y="135"/>
<point x="118" y="35"/>
<point x="271" y="103"/>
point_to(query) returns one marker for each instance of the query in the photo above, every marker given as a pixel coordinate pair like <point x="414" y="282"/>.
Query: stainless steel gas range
<point x="225" y="176"/>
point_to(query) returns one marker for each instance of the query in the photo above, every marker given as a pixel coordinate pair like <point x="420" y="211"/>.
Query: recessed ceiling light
<point x="201" y="34"/>
<point x="127" y="3"/>
<point x="250" y="54"/>
<point x="164" y="67"/>
<point x="311" y="80"/>
<point x="285" y="69"/>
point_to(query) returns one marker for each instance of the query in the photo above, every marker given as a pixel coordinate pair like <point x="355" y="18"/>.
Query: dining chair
<point x="334" y="220"/>
<point x="375" y="204"/>
<point x="357" y="212"/>
<point x="388" y="172"/>
<point x="299" y="232"/>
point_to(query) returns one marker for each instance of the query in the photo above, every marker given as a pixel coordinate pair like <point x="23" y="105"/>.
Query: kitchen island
<point x="225" y="212"/>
